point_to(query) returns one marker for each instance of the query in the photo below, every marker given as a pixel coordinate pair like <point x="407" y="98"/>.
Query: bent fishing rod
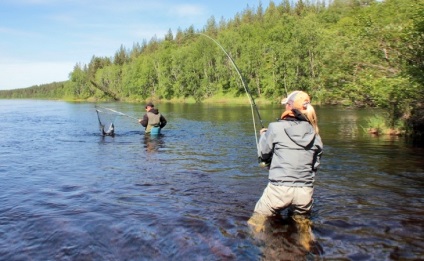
<point x="249" y="95"/>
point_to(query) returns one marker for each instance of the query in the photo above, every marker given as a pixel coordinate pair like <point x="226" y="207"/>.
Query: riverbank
<point x="218" y="99"/>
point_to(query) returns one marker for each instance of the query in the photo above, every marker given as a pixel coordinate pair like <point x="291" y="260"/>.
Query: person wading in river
<point x="153" y="121"/>
<point x="294" y="148"/>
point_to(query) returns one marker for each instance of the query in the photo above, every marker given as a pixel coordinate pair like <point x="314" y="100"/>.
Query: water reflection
<point x="69" y="194"/>
<point x="152" y="143"/>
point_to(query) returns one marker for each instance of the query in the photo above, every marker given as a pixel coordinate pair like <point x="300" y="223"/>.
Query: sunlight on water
<point x="70" y="194"/>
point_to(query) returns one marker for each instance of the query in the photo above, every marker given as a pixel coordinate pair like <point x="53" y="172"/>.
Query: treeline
<point x="352" y="52"/>
<point x="55" y="90"/>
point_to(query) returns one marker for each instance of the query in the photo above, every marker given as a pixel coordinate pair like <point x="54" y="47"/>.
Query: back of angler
<point x="152" y="120"/>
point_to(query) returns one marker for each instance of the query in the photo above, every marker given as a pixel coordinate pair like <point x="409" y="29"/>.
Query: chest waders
<point x="153" y="125"/>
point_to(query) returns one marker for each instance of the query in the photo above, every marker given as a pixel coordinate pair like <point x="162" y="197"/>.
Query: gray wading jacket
<point x="295" y="150"/>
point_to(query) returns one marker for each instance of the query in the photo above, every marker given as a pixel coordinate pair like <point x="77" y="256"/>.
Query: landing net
<point x="106" y="118"/>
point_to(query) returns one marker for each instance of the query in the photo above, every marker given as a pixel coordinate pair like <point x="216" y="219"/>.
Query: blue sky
<point x="42" y="40"/>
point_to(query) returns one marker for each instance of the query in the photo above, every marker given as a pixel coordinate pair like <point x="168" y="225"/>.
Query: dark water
<point x="66" y="193"/>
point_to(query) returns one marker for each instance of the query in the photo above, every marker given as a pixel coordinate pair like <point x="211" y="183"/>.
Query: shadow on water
<point x="281" y="238"/>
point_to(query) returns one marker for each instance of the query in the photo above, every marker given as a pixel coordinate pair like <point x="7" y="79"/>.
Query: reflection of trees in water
<point x="284" y="238"/>
<point x="350" y="126"/>
<point x="152" y="143"/>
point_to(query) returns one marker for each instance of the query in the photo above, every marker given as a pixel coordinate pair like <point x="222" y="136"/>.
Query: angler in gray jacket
<point x="293" y="147"/>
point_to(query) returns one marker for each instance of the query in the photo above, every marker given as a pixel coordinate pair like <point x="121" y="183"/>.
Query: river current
<point x="67" y="193"/>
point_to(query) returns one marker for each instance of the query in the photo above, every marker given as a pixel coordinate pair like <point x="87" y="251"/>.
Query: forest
<point x="361" y="53"/>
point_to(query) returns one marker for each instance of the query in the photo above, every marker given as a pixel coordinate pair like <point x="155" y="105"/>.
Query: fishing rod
<point x="249" y="95"/>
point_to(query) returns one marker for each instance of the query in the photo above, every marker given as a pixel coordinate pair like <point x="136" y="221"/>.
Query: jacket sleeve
<point x="144" y="121"/>
<point x="318" y="153"/>
<point x="162" y="121"/>
<point x="266" y="145"/>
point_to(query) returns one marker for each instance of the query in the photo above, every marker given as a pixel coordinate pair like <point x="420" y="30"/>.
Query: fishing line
<point x="252" y="101"/>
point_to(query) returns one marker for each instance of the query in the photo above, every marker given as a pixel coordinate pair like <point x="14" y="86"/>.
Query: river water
<point x="67" y="193"/>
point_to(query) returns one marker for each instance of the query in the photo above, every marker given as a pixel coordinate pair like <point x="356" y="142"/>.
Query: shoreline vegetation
<point x="357" y="53"/>
<point x="376" y="125"/>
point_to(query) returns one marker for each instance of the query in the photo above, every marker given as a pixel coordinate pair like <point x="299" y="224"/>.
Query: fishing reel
<point x="264" y="163"/>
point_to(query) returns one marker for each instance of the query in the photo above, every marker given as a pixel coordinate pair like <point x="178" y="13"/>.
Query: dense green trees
<point x="55" y="90"/>
<point x="352" y="52"/>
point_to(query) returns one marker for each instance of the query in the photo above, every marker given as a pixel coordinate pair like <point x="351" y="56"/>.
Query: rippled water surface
<point x="66" y="193"/>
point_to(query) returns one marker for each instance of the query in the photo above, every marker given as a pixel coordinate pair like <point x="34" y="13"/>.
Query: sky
<point x="42" y="40"/>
